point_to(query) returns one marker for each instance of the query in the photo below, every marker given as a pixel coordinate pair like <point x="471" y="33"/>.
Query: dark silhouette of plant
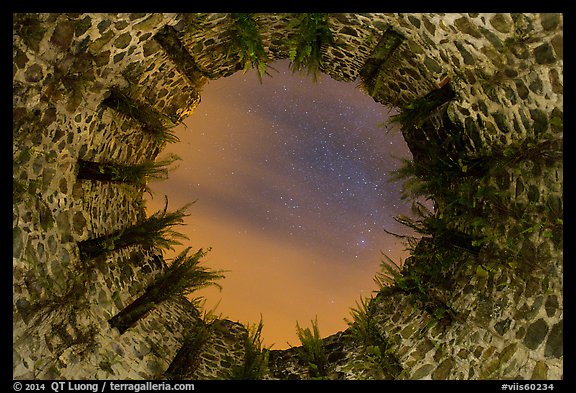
<point x="139" y="174"/>
<point x="155" y="232"/>
<point x="426" y="270"/>
<point x="415" y="113"/>
<point x="389" y="273"/>
<point x="247" y="43"/>
<point x="370" y="80"/>
<point x="433" y="258"/>
<point x="187" y="359"/>
<point x="151" y="119"/>
<point x="436" y="226"/>
<point x="467" y="195"/>
<point x="314" y="353"/>
<point x="364" y="327"/>
<point x="313" y="31"/>
<point x="183" y="276"/>
<point x="255" y="363"/>
<point x="168" y="38"/>
<point x="439" y="177"/>
<point x="362" y="324"/>
<point x="29" y="28"/>
<point x="437" y="173"/>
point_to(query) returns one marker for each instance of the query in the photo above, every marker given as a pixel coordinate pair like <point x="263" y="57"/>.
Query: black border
<point x="371" y="6"/>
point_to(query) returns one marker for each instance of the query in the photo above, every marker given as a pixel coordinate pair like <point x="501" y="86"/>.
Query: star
<point x="298" y="171"/>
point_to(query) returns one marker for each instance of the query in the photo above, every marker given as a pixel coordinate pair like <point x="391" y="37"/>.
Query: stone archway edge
<point x="507" y="74"/>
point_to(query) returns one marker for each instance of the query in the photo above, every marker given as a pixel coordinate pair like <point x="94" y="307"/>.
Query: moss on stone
<point x="422" y="371"/>
<point x="555" y="343"/>
<point x="540" y="371"/>
<point x="536" y="333"/>
<point x="443" y="369"/>
<point x="510" y="48"/>
<point x="30" y="29"/>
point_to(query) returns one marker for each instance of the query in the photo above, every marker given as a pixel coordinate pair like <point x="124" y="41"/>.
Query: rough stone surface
<point x="554" y="345"/>
<point x="507" y="74"/>
<point x="536" y="333"/>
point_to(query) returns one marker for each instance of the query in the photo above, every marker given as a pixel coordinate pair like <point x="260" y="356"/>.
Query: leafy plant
<point x="314" y="353"/>
<point x="474" y="203"/>
<point x="155" y="232"/>
<point x="139" y="174"/>
<point x="47" y="294"/>
<point x="30" y="29"/>
<point x="371" y="80"/>
<point x="362" y="325"/>
<point x="534" y="149"/>
<point x="313" y="31"/>
<point x="255" y="363"/>
<point x="364" y="328"/>
<point x="438" y="177"/>
<point x="168" y="38"/>
<point x="477" y="202"/>
<point x="466" y="191"/>
<point x="413" y="114"/>
<point x="390" y="272"/>
<point x="437" y="227"/>
<point x="411" y="281"/>
<point x="187" y="359"/>
<point x="183" y="276"/>
<point x="247" y="43"/>
<point x="430" y="265"/>
<point x="152" y="120"/>
<point x="208" y="316"/>
<point x="72" y="80"/>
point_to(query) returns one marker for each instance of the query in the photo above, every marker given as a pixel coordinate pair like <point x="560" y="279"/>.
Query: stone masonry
<point x="506" y="72"/>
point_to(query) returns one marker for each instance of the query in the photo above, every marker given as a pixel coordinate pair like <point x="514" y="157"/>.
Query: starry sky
<point x="290" y="179"/>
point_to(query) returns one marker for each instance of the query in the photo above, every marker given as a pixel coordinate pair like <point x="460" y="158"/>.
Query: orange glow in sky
<point x="291" y="191"/>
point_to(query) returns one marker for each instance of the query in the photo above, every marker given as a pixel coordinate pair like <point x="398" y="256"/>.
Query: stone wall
<point x="506" y="71"/>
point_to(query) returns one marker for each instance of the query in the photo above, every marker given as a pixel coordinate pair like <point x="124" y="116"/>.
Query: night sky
<point x="290" y="179"/>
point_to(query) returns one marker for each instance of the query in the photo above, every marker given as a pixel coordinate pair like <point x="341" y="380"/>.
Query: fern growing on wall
<point x="139" y="174"/>
<point x="364" y="328"/>
<point x="153" y="121"/>
<point x="314" y="353"/>
<point x="472" y="206"/>
<point x="415" y="113"/>
<point x="313" y="31"/>
<point x="184" y="276"/>
<point x="390" y="272"/>
<point x="155" y="232"/>
<point x="370" y="76"/>
<point x="255" y="363"/>
<point x="188" y="357"/>
<point x="247" y="43"/>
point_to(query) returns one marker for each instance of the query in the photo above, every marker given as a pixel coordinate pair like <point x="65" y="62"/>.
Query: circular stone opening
<point x="292" y="189"/>
<point x="482" y="112"/>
